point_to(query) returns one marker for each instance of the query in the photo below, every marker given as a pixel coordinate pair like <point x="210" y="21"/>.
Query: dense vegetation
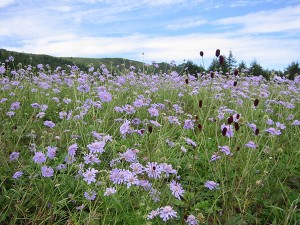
<point x="88" y="147"/>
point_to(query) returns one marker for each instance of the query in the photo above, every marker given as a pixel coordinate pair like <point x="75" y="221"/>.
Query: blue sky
<point x="164" y="30"/>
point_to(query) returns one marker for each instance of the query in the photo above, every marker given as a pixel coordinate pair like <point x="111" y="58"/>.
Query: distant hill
<point x="112" y="64"/>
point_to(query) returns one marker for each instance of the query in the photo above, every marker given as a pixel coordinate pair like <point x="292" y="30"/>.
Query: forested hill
<point x="82" y="63"/>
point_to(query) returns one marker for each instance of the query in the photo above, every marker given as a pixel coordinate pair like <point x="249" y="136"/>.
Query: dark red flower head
<point x="221" y="60"/>
<point x="212" y="74"/>
<point x="256" y="101"/>
<point x="186" y="81"/>
<point x="230" y="120"/>
<point x="201" y="53"/>
<point x="236" y="126"/>
<point x="236" y="72"/>
<point x="218" y="52"/>
<point x="234" y="83"/>
<point x="150" y="129"/>
<point x="200" y="103"/>
<point x="224" y="131"/>
<point x="256" y="131"/>
<point x="199" y="126"/>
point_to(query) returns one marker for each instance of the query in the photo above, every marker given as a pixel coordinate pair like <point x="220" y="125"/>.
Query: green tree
<point x="231" y="61"/>
<point x="193" y="68"/>
<point x="256" y="69"/>
<point x="292" y="70"/>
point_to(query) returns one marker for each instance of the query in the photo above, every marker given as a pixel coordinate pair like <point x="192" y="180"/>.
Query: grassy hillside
<point x="113" y="64"/>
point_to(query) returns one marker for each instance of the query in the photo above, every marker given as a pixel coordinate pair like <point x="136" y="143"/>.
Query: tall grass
<point x="88" y="147"/>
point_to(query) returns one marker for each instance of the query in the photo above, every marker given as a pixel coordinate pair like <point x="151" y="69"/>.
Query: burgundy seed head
<point x="230" y="120"/>
<point x="200" y="103"/>
<point x="237" y="116"/>
<point x="234" y="83"/>
<point x="150" y="129"/>
<point x="236" y="72"/>
<point x="201" y="53"/>
<point x="224" y="131"/>
<point x="212" y="74"/>
<point x="218" y="52"/>
<point x="186" y="81"/>
<point x="196" y="118"/>
<point x="256" y="131"/>
<point x="256" y="101"/>
<point x="221" y="60"/>
<point x="199" y="126"/>
<point x="236" y="126"/>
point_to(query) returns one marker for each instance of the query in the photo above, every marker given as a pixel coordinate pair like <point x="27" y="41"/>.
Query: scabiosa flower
<point x="153" y="170"/>
<point x="167" y="213"/>
<point x="61" y="167"/>
<point x="17" y="175"/>
<point x="49" y="124"/>
<point x="214" y="157"/>
<point x="69" y="159"/>
<point x="90" y="175"/>
<point x="167" y="169"/>
<point x="211" y="185"/>
<point x="176" y="189"/>
<point x="227" y="130"/>
<point x="15" y="105"/>
<point x="14" y="156"/>
<point x="129" y="155"/>
<point x="273" y="131"/>
<point x="188" y="124"/>
<point x="10" y="113"/>
<point x="173" y="120"/>
<point x="72" y="149"/>
<point x="129" y="109"/>
<point x="39" y="158"/>
<point x="225" y="149"/>
<point x="280" y="125"/>
<point x="191" y="220"/>
<point x="153" y="111"/>
<point x="110" y="191"/>
<point x="190" y="142"/>
<point x="296" y="122"/>
<point x="153" y="214"/>
<point x="91" y="195"/>
<point x="51" y="152"/>
<point x="91" y="158"/>
<point x="105" y="96"/>
<point x="97" y="147"/>
<point x="137" y="168"/>
<point x="251" y="144"/>
<point x="47" y="171"/>
<point x="125" y="127"/>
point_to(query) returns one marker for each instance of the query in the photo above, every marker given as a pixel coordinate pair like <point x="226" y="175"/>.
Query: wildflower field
<point x="147" y="147"/>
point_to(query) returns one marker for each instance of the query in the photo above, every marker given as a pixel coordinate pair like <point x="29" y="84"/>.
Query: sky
<point x="267" y="31"/>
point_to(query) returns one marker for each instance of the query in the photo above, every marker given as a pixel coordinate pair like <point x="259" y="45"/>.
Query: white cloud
<point x="186" y="24"/>
<point x="4" y="3"/>
<point x="267" y="21"/>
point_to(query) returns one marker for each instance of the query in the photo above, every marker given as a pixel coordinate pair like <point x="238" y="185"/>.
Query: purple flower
<point x="39" y="158"/>
<point x="167" y="213"/>
<point x="176" y="189"/>
<point x="90" y="195"/>
<point x="153" y="170"/>
<point x="211" y="185"/>
<point x="125" y="127"/>
<point x="110" y="191"/>
<point x="167" y="169"/>
<point x="214" y="157"/>
<point x="10" y="113"/>
<point x="129" y="155"/>
<point x="47" y="171"/>
<point x="273" y="131"/>
<point x="90" y="175"/>
<point x="72" y="149"/>
<point x="51" y="152"/>
<point x="129" y="109"/>
<point x="96" y="147"/>
<point x="15" y="105"/>
<point x="91" y="158"/>
<point x="191" y="220"/>
<point x="69" y="159"/>
<point x="17" y="175"/>
<point x="229" y="130"/>
<point x="188" y="124"/>
<point x="61" y="167"/>
<point x="105" y="96"/>
<point x="153" y="214"/>
<point x="153" y="111"/>
<point x="280" y="125"/>
<point x="14" y="156"/>
<point x="137" y="168"/>
<point x="296" y="122"/>
<point x="225" y="149"/>
<point x="251" y="144"/>
<point x="49" y="124"/>
<point x="190" y="142"/>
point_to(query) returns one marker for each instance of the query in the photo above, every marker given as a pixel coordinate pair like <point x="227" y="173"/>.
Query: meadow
<point x="147" y="147"/>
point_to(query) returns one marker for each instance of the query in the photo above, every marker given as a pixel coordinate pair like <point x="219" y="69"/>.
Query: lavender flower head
<point x="49" y="124"/>
<point x="211" y="185"/>
<point x="47" y="171"/>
